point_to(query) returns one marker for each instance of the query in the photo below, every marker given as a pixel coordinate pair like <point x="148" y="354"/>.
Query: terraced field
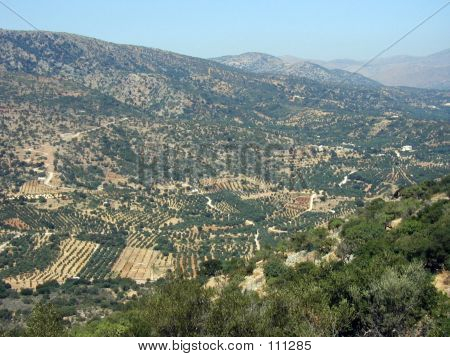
<point x="148" y="234"/>
<point x="73" y="256"/>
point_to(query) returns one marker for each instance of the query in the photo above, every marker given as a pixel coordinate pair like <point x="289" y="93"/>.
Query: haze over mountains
<point x="263" y="63"/>
<point x="431" y="71"/>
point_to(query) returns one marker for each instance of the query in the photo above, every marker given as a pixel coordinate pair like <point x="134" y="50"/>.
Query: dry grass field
<point x="141" y="264"/>
<point x="16" y="223"/>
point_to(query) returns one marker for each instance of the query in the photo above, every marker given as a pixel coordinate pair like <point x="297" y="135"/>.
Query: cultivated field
<point x="74" y="254"/>
<point x="142" y="264"/>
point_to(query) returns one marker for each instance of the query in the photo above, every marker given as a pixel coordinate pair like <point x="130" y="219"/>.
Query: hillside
<point x="169" y="85"/>
<point x="122" y="165"/>
<point x="58" y="85"/>
<point x="370" y="274"/>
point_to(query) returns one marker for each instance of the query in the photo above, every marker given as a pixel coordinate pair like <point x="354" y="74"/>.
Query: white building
<point x="407" y="148"/>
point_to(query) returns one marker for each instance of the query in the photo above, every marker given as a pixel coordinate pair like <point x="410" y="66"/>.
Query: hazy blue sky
<point x="310" y="29"/>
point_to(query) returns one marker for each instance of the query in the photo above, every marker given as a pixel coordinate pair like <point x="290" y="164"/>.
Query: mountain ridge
<point x="257" y="62"/>
<point x="171" y="85"/>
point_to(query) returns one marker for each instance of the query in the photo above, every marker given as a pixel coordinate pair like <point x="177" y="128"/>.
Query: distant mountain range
<point x="431" y="71"/>
<point x="267" y="64"/>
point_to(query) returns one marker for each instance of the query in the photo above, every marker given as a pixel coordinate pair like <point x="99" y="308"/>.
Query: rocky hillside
<point x="169" y="85"/>
<point x="163" y="82"/>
